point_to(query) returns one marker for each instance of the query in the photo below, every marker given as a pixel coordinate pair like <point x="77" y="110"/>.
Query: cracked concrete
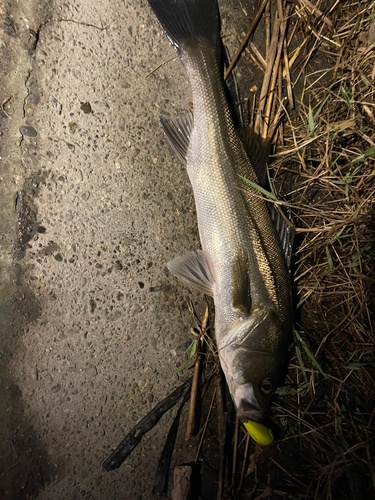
<point x="93" y="205"/>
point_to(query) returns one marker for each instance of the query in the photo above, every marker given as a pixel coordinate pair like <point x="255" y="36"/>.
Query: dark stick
<point x="222" y="425"/>
<point x="161" y="477"/>
<point x="148" y="422"/>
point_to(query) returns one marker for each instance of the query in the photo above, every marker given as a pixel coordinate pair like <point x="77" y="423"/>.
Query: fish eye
<point x="266" y="386"/>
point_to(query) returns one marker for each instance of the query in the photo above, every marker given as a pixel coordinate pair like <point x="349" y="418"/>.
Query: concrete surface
<point x="93" y="205"/>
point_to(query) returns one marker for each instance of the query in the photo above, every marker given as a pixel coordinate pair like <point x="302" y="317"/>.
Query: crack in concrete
<point x="25" y="102"/>
<point x="37" y="38"/>
<point x="27" y="93"/>
<point x="82" y="24"/>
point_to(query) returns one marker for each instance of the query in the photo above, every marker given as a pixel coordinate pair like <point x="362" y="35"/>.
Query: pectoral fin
<point x="240" y="282"/>
<point x="195" y="269"/>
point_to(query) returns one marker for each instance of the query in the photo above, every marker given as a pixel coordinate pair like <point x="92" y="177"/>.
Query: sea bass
<point x="242" y="264"/>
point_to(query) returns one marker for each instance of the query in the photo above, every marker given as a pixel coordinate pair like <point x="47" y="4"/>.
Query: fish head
<point x="252" y="357"/>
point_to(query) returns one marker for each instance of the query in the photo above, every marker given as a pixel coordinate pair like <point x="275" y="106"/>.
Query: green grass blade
<point x="311" y="127"/>
<point x="309" y="354"/>
<point x="190" y="351"/>
<point x="358" y="366"/>
<point x="369" y="152"/>
<point x="264" y="192"/>
<point x="193" y="348"/>
<point x="300" y="362"/>
<point x="290" y="389"/>
<point x="321" y="107"/>
<point x="346" y="96"/>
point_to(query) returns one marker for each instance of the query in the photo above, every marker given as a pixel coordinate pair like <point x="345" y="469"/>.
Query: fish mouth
<point x="247" y="405"/>
<point x="248" y="411"/>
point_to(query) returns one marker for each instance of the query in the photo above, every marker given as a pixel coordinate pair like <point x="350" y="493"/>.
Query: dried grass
<point x="325" y="163"/>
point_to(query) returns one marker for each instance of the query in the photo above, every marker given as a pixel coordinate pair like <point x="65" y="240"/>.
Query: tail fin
<point x="187" y="20"/>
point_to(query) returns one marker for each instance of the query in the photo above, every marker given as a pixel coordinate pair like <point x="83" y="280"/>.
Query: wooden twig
<point x="276" y="120"/>
<point x="314" y="10"/>
<point x="287" y="77"/>
<point x="294" y="29"/>
<point x="244" y="41"/>
<point x="302" y="14"/>
<point x="275" y="70"/>
<point x="259" y="62"/>
<point x="294" y="55"/>
<point x="267" y="20"/>
<point x="205" y="426"/>
<point x="268" y="73"/>
<point x="259" y="56"/>
<point x="181" y="482"/>
<point x="234" y="462"/>
<point x="244" y="461"/>
<point x="243" y="8"/>
<point x="160" y="65"/>
<point x="278" y="130"/>
<point x="369" y="113"/>
<point x="280" y="11"/>
<point x="194" y="386"/>
<point x="293" y="478"/>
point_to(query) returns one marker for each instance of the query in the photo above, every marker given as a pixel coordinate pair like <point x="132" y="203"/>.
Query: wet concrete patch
<point x="27" y="212"/>
<point x="33" y="469"/>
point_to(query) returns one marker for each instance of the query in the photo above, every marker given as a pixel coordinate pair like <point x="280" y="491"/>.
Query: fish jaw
<point x="247" y="404"/>
<point x="252" y="355"/>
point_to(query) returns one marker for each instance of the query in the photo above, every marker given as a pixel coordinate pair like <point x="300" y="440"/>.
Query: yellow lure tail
<point x="259" y="432"/>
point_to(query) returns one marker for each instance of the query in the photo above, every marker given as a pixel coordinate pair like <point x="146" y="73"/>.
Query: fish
<point x="243" y="261"/>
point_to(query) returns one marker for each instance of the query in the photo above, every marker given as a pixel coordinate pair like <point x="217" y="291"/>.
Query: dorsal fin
<point x="231" y="89"/>
<point x="258" y="151"/>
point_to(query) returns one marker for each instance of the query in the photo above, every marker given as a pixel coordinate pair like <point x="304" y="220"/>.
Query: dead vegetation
<point x="319" y="71"/>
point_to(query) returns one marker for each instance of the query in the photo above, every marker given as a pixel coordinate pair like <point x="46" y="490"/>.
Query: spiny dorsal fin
<point x="231" y="89"/>
<point x="240" y="282"/>
<point x="195" y="269"/>
<point x="258" y="151"/>
<point x="178" y="130"/>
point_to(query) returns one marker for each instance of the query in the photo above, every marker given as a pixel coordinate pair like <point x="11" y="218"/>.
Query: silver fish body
<point x="242" y="256"/>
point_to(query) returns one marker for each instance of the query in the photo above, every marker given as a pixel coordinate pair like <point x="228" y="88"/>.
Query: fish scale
<point x="226" y="209"/>
<point x="241" y="263"/>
